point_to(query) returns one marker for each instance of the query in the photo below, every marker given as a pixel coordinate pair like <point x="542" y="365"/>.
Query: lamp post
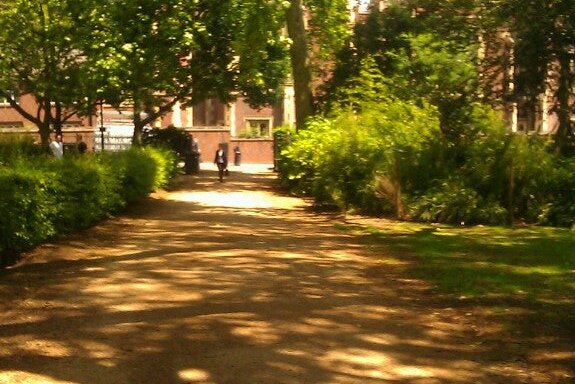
<point x="102" y="128"/>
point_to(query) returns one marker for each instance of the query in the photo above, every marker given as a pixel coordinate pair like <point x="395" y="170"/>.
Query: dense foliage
<point x="408" y="126"/>
<point x="358" y="159"/>
<point x="542" y="38"/>
<point x="380" y="151"/>
<point x="43" y="197"/>
<point x="175" y="139"/>
<point x="148" y="54"/>
<point x="41" y="55"/>
<point x="153" y="54"/>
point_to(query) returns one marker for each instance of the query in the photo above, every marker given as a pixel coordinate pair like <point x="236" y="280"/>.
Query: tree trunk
<point x="399" y="210"/>
<point x="138" y="125"/>
<point x="301" y="68"/>
<point x="45" y="121"/>
<point x="58" y="122"/>
<point x="511" y="193"/>
<point x="44" y="129"/>
<point x="565" y="130"/>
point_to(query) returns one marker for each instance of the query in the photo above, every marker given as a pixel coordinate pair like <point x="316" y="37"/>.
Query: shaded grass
<point x="527" y="267"/>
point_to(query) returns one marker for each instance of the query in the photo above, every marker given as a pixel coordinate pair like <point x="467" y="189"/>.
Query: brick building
<point x="211" y="122"/>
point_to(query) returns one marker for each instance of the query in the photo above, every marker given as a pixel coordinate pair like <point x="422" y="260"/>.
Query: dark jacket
<point x="223" y="159"/>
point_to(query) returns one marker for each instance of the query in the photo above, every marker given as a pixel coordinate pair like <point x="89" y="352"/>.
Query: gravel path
<point x="228" y="283"/>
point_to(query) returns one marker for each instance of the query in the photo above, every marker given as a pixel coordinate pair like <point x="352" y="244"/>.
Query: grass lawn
<point x="531" y="267"/>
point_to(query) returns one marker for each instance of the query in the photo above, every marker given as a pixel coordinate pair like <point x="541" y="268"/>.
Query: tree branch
<point x="28" y="116"/>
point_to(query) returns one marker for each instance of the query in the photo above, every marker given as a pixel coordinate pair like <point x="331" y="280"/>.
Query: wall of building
<point x="253" y="151"/>
<point x="70" y="136"/>
<point x="211" y="122"/>
<point x="9" y="117"/>
<point x="243" y="111"/>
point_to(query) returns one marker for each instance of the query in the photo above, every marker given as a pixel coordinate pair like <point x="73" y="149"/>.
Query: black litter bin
<point x="237" y="156"/>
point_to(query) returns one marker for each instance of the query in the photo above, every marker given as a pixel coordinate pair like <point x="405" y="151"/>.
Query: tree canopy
<point x="458" y="52"/>
<point x="155" y="53"/>
<point x="41" y="55"/>
<point x="313" y="46"/>
<point x="149" y="54"/>
<point x="152" y="54"/>
<point x="543" y="34"/>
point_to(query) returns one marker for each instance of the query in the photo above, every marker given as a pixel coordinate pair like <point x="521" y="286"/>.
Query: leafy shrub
<point x="534" y="167"/>
<point x="83" y="192"/>
<point x="560" y="206"/>
<point x="166" y="163"/>
<point x="17" y="148"/>
<point x="379" y="156"/>
<point x="42" y="197"/>
<point x="339" y="160"/>
<point x="25" y="209"/>
<point x="175" y="139"/>
<point x="298" y="161"/>
<point x="135" y="170"/>
<point x="351" y="159"/>
<point x="453" y="202"/>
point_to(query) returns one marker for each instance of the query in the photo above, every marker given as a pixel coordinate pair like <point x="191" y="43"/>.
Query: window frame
<point x="243" y="132"/>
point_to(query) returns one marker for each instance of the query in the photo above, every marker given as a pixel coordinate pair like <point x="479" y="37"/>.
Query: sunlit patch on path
<point x="241" y="199"/>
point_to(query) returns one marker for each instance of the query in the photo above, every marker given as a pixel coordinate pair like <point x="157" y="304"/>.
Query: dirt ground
<point x="235" y="283"/>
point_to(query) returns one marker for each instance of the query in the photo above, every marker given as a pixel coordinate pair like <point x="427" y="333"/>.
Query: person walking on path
<point x="221" y="160"/>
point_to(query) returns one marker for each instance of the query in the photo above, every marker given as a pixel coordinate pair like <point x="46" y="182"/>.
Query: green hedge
<point x="43" y="197"/>
<point x="26" y="208"/>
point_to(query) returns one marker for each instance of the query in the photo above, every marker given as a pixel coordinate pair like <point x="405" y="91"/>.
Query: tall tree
<point x="317" y="29"/>
<point x="420" y="61"/>
<point x="544" y="50"/>
<point x="378" y="37"/>
<point x="301" y="66"/>
<point x="41" y="55"/>
<point x="540" y="49"/>
<point x="156" y="53"/>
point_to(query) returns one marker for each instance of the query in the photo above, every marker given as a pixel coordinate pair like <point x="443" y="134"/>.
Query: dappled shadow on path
<point x="228" y="283"/>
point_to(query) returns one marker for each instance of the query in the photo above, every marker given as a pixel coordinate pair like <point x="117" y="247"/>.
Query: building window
<point x="12" y="94"/>
<point x="256" y="128"/>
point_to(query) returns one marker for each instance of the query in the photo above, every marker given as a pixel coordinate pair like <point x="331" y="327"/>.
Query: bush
<point x="560" y="206"/>
<point x="381" y="156"/>
<point x="339" y="160"/>
<point x="453" y="202"/>
<point x="44" y="197"/>
<point x="25" y="210"/>
<point x="351" y="160"/>
<point x="84" y="192"/>
<point x="166" y="163"/>
<point x="298" y="160"/>
<point x="175" y="139"/>
<point x="140" y="170"/>
<point x="14" y="149"/>
<point x="137" y="174"/>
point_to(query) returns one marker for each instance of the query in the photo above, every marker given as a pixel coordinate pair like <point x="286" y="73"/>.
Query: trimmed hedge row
<point x="42" y="197"/>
